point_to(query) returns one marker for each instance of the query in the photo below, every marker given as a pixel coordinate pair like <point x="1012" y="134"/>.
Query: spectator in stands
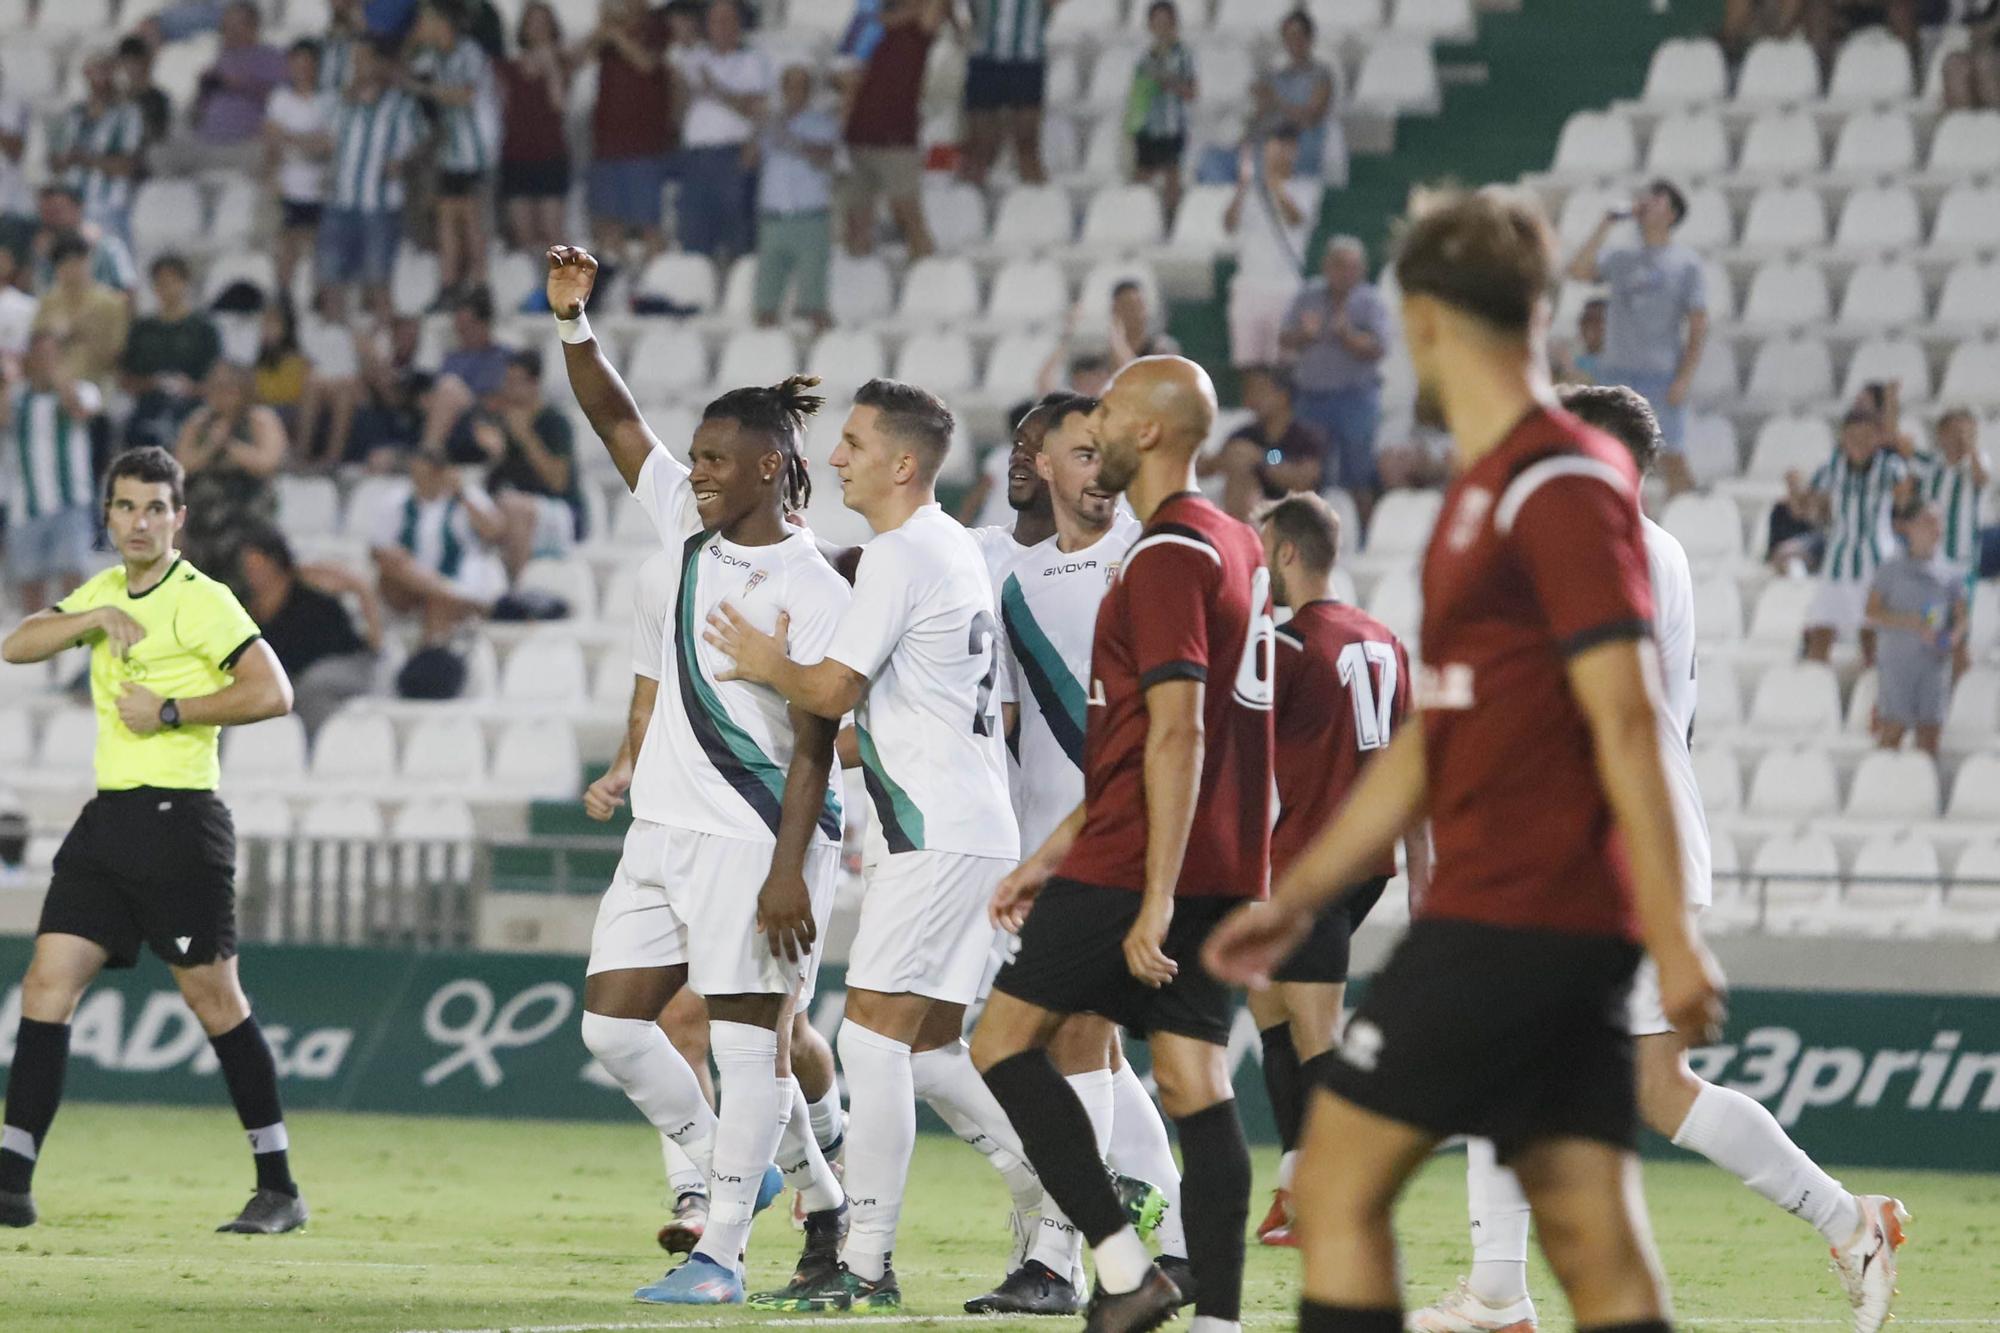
<point x="1917" y="609"/>
<point x="729" y="92"/>
<point x="883" y="121"/>
<point x="534" y="150"/>
<point x="377" y="129"/>
<point x="1133" y="331"/>
<point x="1747" y="21"/>
<point x="1156" y="113"/>
<point x="435" y="550"/>
<point x="1006" y="81"/>
<point x="135" y="82"/>
<point x="280" y="373"/>
<point x="475" y="369"/>
<point x="167" y="356"/>
<point x="1657" y="321"/>
<point x="16" y="199"/>
<point x="1270" y="218"/>
<point x="232" y="449"/>
<point x="228" y="114"/>
<point x="333" y="387"/>
<point x="1828" y="23"/>
<point x="346" y="28"/>
<point x="89" y="319"/>
<point x="97" y="145"/>
<point x="450" y="74"/>
<point x="533" y="477"/>
<point x="1953" y="476"/>
<point x="59" y="209"/>
<point x="1972" y="74"/>
<point x="1274" y="454"/>
<point x="795" y="205"/>
<point x="51" y="489"/>
<point x="299" y="610"/>
<point x="1580" y="360"/>
<point x="17" y="312"/>
<point x="1854" y="497"/>
<point x="298" y="140"/>
<point x="1300" y="95"/>
<point x="1422" y="459"/>
<point x="1336" y="333"/>
<point x="389" y="416"/>
<point x="1087" y="374"/>
<point x="632" y="128"/>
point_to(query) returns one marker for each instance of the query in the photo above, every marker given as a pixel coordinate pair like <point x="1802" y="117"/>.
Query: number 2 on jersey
<point x="985" y="639"/>
<point x="1373" y="703"/>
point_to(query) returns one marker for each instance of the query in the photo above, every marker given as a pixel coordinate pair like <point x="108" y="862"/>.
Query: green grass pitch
<point x="468" y="1224"/>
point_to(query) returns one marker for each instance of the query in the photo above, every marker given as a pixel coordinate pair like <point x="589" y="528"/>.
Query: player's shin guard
<point x="1739" y="1135"/>
<point x="1499" y="1212"/>
<point x="34" y="1090"/>
<point x="1139" y="1147"/>
<point x="657" y="1078"/>
<point x="1218" y="1174"/>
<point x="1282" y="1084"/>
<point x="745" y="1137"/>
<point x="1315" y="1317"/>
<point x="799" y="1157"/>
<point x="882" y="1133"/>
<point x="252" y="1076"/>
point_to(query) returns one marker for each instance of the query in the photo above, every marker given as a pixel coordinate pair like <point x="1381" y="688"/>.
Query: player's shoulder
<point x="809" y="573"/>
<point x="1669" y="557"/>
<point x="1190" y="523"/>
<point x="99" y="588"/>
<point x="1552" y="449"/>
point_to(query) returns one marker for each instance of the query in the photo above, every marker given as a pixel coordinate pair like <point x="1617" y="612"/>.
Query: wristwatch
<point x="170" y="714"/>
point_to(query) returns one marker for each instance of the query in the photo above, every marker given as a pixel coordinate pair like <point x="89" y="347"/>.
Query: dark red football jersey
<point x="1343" y="689"/>
<point x="1537" y="555"/>
<point x="1191" y="600"/>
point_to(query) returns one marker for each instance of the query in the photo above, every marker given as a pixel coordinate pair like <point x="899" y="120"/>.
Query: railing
<point x="1755" y="890"/>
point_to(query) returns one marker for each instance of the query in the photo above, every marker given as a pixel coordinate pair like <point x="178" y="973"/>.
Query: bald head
<point x="1159" y="406"/>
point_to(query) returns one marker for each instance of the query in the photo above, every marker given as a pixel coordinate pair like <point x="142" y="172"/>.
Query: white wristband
<point x="574" y="330"/>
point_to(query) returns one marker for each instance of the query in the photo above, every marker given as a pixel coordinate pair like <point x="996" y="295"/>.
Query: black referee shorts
<point x="1323" y="958"/>
<point x="1512" y="1035"/>
<point x="1071" y="960"/>
<point x="152" y="865"/>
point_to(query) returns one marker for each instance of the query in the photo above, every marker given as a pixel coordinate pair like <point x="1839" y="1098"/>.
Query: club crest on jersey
<point x="1111" y="572"/>
<point x="755" y="579"/>
<point x="1446" y="687"/>
<point x="1468" y="516"/>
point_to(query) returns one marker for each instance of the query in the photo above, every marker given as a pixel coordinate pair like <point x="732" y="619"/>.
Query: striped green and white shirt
<point x="48" y="465"/>
<point x="1861" y="533"/>
<point x="1158" y="113"/>
<point x="469" y="135"/>
<point x="1009" y="29"/>
<point x="117" y="131"/>
<point x="336" y="62"/>
<point x="1952" y="489"/>
<point x="369" y="139"/>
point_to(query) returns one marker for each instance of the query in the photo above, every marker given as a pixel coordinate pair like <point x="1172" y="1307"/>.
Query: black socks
<point x="1283" y="1084"/>
<point x="1217" y="1176"/>
<point x="34" y="1091"/>
<point x="1055" y="1133"/>
<point x="252" y="1076"/>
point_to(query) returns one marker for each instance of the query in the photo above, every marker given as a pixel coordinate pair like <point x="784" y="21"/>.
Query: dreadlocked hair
<point x="780" y="411"/>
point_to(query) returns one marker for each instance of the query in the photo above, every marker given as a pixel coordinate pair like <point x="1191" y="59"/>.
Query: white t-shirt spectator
<point x="1268" y="252"/>
<point x="301" y="176"/>
<point x="440" y="536"/>
<point x="711" y="122"/>
<point x="329" y="347"/>
<point x="17" y="319"/>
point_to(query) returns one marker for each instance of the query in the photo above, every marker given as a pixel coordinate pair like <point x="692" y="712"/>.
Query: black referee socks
<point x="1216" y="1173"/>
<point x="1281" y="1083"/>
<point x="252" y="1076"/>
<point x="34" y="1090"/>
<point x="1317" y="1318"/>
<point x="1055" y="1133"/>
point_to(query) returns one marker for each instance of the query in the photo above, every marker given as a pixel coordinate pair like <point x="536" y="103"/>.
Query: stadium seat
<point x="757" y="356"/>
<point x="1877" y="218"/>
<point x="1718" y="618"/>
<point x="1975" y="710"/>
<point x="859" y="290"/>
<point x="1684" y="71"/>
<point x="1398" y="77"/>
<point x="1033" y="219"/>
<point x="1798" y="875"/>
<point x="687" y="280"/>
<point x="1689" y="143"/>
<point x="179" y="66"/>
<point x="446" y="824"/>
<point x="1975" y="793"/>
<point x="1336" y="18"/>
<point x="414" y="283"/>
<point x="1972" y="375"/>
<point x="260" y="815"/>
<point x="538" y="757"/>
<point x="1971" y="297"/>
<point x="568" y="578"/>
<point x="1893" y="889"/>
<point x="669" y="359"/>
<point x="1872" y="68"/>
<point x="1711" y="447"/>
<point x="1109" y="82"/>
<point x="828" y="18"/>
<point x="1781" y="144"/>
<point x="1015" y="365"/>
<point x="611" y="680"/>
<point x="1124" y="217"/>
<point x="1720" y="779"/>
<point x="1885" y="294"/>
<point x="1709" y="224"/>
<point x="1778" y="71"/>
<point x="1971" y="906"/>
<point x="1967" y="143"/>
<point x="1076" y="20"/>
<point x="1881" y="359"/>
<point x="235" y="213"/>
<point x="1398" y="602"/>
<point x="1968" y="218"/>
<point x="955" y="211"/>
<point x="1595" y="143"/>
<point x="1788" y="443"/>
<point x="1198" y="228"/>
<point x="1875" y="144"/>
<point x="1797" y="699"/>
<point x="545" y="668"/>
<point x="308" y="506"/>
<point x="1241" y="19"/>
<point x="1780" y="617"/>
<point x="1401" y="524"/>
<point x="1791" y="371"/>
<point x="1861" y="703"/>
<point x="446" y="752"/>
<point x="354" y="817"/>
<point x="1720" y="704"/>
<point x="69" y="740"/>
<point x="1029" y="291"/>
<point x="1434" y="20"/>
<point x="168" y="214"/>
<point x="31" y="73"/>
<point x="1102" y="157"/>
<point x="272" y="749"/>
<point x="1785" y="217"/>
<point x="1228" y="69"/>
<point x="73" y="16"/>
<point x="1891" y="785"/>
<point x="939" y="290"/>
<point x="1706" y="526"/>
<point x="17" y="737"/>
<point x="1717" y="378"/>
<point x="354" y="748"/>
<point x="845" y="358"/>
<point x="1787" y="295"/>
<point x="941" y="361"/>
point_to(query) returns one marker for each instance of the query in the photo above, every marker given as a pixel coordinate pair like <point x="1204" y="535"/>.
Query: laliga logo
<point x="483" y="1032"/>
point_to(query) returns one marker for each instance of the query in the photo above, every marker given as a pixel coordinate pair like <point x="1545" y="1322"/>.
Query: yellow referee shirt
<point x="195" y="631"/>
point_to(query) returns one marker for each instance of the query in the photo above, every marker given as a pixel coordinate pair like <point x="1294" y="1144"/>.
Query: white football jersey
<point x="1048" y="606"/>
<point x="999" y="549"/>
<point x="1673" y="632"/>
<point x="716" y="752"/>
<point x="921" y="628"/>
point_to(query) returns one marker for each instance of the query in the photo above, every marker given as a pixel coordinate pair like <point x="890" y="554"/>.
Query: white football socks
<point x="658" y="1080"/>
<point x="1499" y="1226"/>
<point x="746" y="1056"/>
<point x="882" y="1134"/>
<point x="1139" y="1148"/>
<point x="799" y="1155"/>
<point x="1122" y="1262"/>
<point x="829" y="1126"/>
<point x="946" y="1080"/>
<point x="1095" y="1089"/>
<point x="1739" y="1135"/>
<point x="683" y="1176"/>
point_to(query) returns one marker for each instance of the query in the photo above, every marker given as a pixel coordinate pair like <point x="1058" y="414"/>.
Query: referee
<point x="152" y="858"/>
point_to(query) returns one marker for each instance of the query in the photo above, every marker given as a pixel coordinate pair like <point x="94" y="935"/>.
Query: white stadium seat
<point x="568" y="578"/>
<point x="1240" y="18"/>
<point x="941" y="361"/>
<point x="1436" y="20"/>
<point x="1800" y="699"/>
<point x="1015" y="365"/>
<point x="167" y="214"/>
<point x="545" y="668"/>
<point x="1791" y="370"/>
<point x="1966" y="143"/>
<point x="1872" y="67"/>
<point x="1778" y="71"/>
<point x="1706" y="526"/>
<point x="354" y="817"/>
<point x="860" y="288"/>
<point x="669" y="358"/>
<point x="1401" y="524"/>
<point x="1879" y="217"/>
<point x="1888" y="358"/>
<point x="1721" y="696"/>
<point x="274" y="748"/>
<point x="1786" y="217"/>
<point x="1975" y="709"/>
<point x="1686" y="70"/>
<point x="1861" y="703"/>
<point x="1781" y="143"/>
<point x="1718" y="619"/>
<point x="1709" y="224"/>
<point x="1971" y="296"/>
<point x="1029" y="290"/>
<point x="1071" y="21"/>
<point x="1110" y="79"/>
<point x="1875" y="144"/>
<point x="261" y="815"/>
<point x="757" y="356"/>
<point x="1711" y="447"/>
<point x="1398" y="77"/>
<point x="355" y="748"/>
<point x="1894" y="785"/>
<point x="1784" y="443"/>
<point x="1198" y="225"/>
<point x="846" y="358"/>
<point x="537" y="757"/>
<point x="1794" y="784"/>
<point x="17" y="737"/>
<point x="447" y="752"/>
<point x="1689" y="143"/>
<point x="1780" y="616"/>
<point x="1968" y="218"/>
<point x="955" y="211"/>
<point x="1720" y="780"/>
<point x="1804" y="900"/>
<point x="308" y="506"/>
<point x="1975" y="794"/>
<point x="1717" y="378"/>
<point x="1398" y="602"/>
<point x="1894" y="887"/>
<point x="1595" y="143"/>
<point x="1335" y="17"/>
<point x="69" y="739"/>
<point x="1033" y="219"/>
<point x="1124" y="217"/>
<point x="1883" y="295"/>
<point x="1787" y="295"/>
<point x="1972" y="906"/>
<point x="939" y="290"/>
<point x="685" y="279"/>
<point x="1972" y="375"/>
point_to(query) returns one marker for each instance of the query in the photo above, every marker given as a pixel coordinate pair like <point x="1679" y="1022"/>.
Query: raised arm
<point x="606" y="402"/>
<point x="1583" y="268"/>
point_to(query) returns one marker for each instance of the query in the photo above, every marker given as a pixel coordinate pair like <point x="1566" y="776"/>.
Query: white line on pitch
<point x="176" y="1259"/>
<point x="1267" y="1320"/>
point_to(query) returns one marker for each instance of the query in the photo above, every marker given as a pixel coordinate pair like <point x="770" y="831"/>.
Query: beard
<point x="1117" y="468"/>
<point x="1429" y="405"/>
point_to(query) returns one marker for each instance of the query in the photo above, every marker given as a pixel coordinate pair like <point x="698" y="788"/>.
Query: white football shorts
<point x="1645" y="1014"/>
<point x="924" y="929"/>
